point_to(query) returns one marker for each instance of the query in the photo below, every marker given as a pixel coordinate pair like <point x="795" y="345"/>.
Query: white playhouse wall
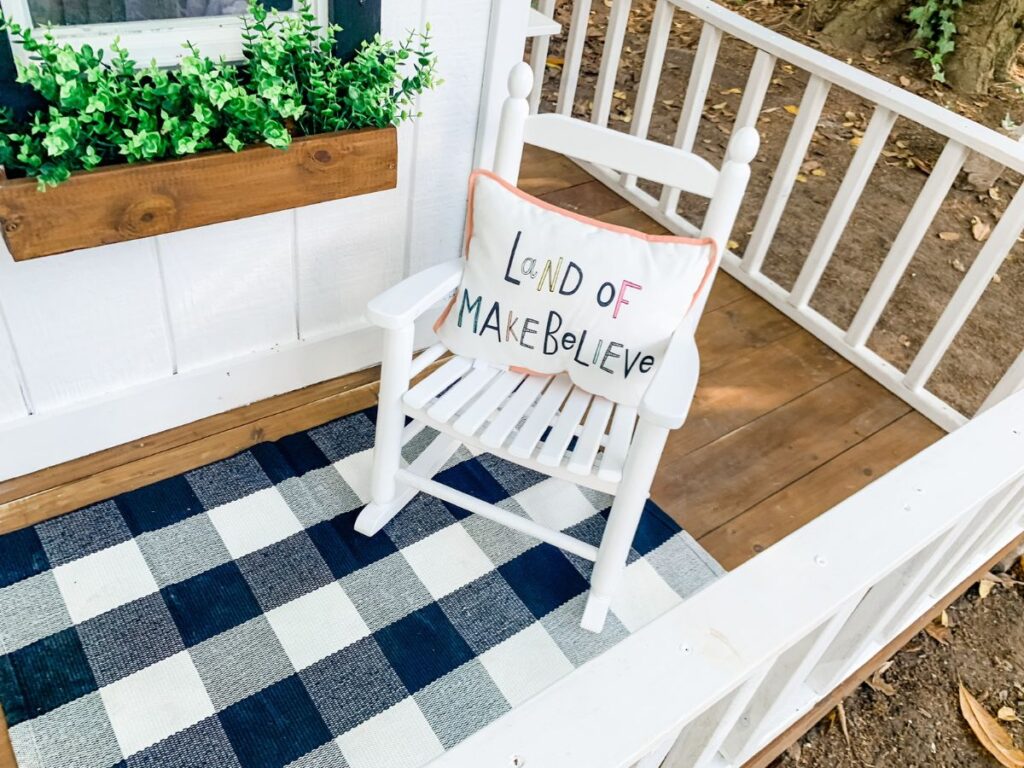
<point x="106" y="345"/>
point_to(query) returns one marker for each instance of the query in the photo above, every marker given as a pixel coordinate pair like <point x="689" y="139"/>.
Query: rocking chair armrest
<point x="401" y="304"/>
<point x="668" y="398"/>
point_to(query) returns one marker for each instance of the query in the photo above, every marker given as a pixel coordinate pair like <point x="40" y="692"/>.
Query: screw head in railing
<point x="820" y="560"/>
<point x="517" y="762"/>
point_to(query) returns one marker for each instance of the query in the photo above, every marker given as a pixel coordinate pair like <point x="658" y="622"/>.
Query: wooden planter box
<point x="126" y="202"/>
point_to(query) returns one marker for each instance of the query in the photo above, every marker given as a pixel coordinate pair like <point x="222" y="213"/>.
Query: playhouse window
<point x="148" y="29"/>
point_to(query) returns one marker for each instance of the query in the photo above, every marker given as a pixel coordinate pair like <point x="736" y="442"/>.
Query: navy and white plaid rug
<point x="231" y="616"/>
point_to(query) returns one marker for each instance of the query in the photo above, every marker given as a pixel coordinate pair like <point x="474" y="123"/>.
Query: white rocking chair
<point x="509" y="414"/>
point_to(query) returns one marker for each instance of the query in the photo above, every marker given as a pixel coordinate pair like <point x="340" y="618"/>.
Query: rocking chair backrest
<point x="627" y="154"/>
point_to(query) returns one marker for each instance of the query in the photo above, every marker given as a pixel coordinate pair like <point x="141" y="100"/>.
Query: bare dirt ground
<point x="911" y="716"/>
<point x="994" y="334"/>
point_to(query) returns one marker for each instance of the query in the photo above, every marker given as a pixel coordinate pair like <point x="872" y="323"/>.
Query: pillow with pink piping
<point x="546" y="291"/>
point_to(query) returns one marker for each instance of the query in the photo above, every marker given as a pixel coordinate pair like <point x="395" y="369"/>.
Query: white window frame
<point x="159" y="40"/>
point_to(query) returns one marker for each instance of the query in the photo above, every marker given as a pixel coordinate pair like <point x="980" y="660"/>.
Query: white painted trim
<point x="506" y="39"/>
<point x="161" y="40"/>
<point x="46" y="439"/>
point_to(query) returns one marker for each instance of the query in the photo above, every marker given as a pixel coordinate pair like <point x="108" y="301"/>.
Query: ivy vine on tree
<point x="935" y="29"/>
<point x="289" y="83"/>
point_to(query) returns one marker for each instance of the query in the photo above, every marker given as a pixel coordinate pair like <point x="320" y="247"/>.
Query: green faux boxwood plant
<point x="101" y="111"/>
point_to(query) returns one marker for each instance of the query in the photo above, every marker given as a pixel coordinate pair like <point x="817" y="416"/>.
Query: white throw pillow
<point x="547" y="290"/>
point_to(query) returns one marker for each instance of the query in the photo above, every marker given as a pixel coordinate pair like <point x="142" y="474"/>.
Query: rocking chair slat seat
<point x="589" y="442"/>
<point x="525" y="417"/>
<point x="540" y="419"/>
<point x="473" y="418"/>
<point x="508" y="417"/>
<point x="468" y="387"/>
<point x="619" y="438"/>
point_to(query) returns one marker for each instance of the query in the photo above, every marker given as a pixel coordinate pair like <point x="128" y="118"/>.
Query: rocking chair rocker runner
<point x="528" y="419"/>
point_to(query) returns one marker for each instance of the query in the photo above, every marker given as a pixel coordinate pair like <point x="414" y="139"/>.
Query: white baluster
<point x="784" y="178"/>
<point x="842" y="206"/>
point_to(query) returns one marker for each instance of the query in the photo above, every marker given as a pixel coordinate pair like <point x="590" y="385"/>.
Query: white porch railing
<point x="719" y="677"/>
<point x="962" y="135"/>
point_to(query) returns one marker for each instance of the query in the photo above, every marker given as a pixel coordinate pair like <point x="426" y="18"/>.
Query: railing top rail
<point x="672" y="669"/>
<point x="978" y="137"/>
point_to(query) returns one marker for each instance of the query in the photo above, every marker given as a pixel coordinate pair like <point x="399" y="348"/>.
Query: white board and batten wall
<point x="106" y="345"/>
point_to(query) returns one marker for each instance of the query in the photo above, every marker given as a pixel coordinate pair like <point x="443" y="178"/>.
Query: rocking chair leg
<point x="386" y="497"/>
<point x="623" y="520"/>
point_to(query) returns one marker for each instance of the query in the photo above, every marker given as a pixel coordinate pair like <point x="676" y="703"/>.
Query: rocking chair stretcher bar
<point x="499" y="515"/>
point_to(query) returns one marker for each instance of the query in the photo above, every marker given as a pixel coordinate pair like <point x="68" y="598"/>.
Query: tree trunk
<point x="989" y="33"/>
<point x="852" y="24"/>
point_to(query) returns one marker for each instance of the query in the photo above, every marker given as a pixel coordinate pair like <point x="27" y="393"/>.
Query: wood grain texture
<point x="813" y="494"/>
<point x="127" y="202"/>
<point x="101" y="476"/>
<point x="68" y="472"/>
<point x="6" y="750"/>
<point x="712" y="485"/>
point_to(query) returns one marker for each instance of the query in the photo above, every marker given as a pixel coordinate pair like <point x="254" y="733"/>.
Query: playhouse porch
<point x="782" y="428"/>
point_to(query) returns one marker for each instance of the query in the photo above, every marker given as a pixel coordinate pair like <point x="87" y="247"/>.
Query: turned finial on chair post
<point x="509" y="151"/>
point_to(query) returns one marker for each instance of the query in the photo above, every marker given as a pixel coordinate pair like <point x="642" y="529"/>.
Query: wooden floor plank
<point x="543" y="172"/>
<point x="712" y="485"/>
<point x="738" y="328"/>
<point x="813" y="494"/>
<point x="591" y="198"/>
<point x="752" y="385"/>
<point x="6" y="750"/>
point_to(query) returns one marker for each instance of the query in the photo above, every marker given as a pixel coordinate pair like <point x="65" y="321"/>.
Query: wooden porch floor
<point x="782" y="428"/>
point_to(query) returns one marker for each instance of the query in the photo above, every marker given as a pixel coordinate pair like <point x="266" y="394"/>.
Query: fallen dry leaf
<point x="992" y="736"/>
<point x="855" y="141"/>
<point x="731" y="90"/>
<point x="985" y="588"/>
<point x="792" y="109"/>
<point x="842" y="722"/>
<point x="818" y="172"/>
<point x="938" y="633"/>
<point x="944" y="618"/>
<point x="801" y="178"/>
<point x="904" y="81"/>
<point x="878" y="683"/>
<point x="733" y="245"/>
<point x="958" y="265"/>
<point x="979" y="229"/>
<point x="951" y="236"/>
<point x="1007" y="713"/>
<point x="555" y="62"/>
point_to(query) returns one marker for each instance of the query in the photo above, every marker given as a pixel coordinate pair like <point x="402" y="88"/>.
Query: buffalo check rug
<point x="231" y="616"/>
